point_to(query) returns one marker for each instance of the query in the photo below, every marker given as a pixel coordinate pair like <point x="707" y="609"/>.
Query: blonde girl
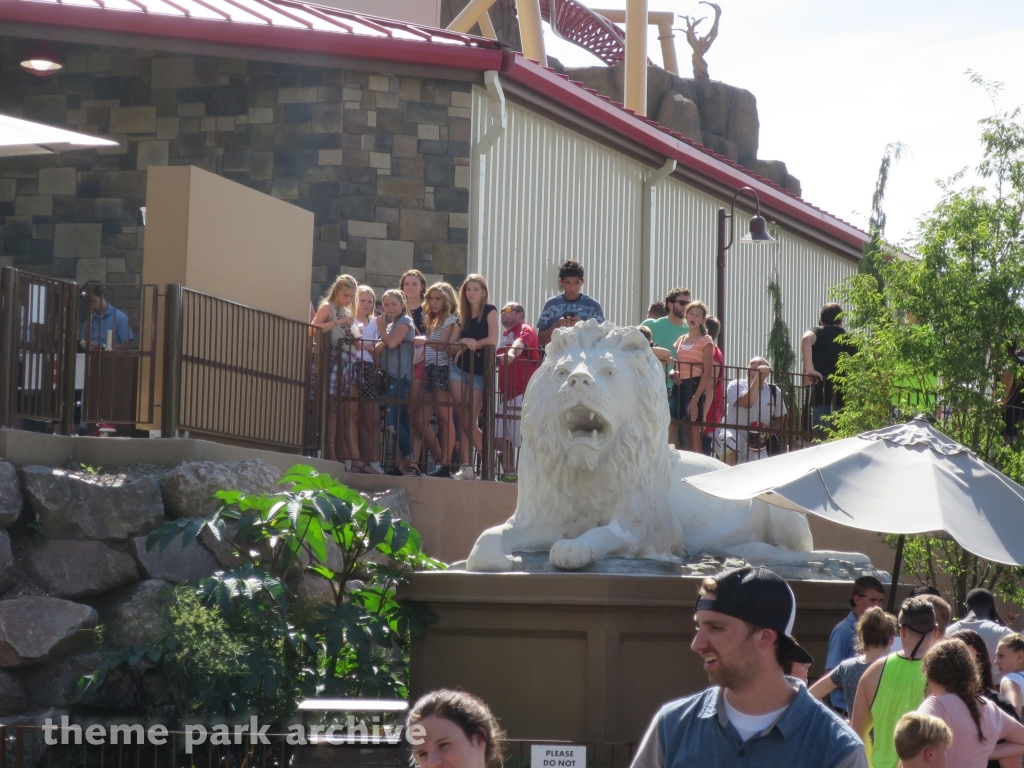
<point x="365" y="389"/>
<point x="440" y="307"/>
<point x="414" y="284"/>
<point x="395" y="349"/>
<point x="478" y="323"/>
<point x="1010" y="660"/>
<point x="336" y="317"/>
<point x="693" y="373"/>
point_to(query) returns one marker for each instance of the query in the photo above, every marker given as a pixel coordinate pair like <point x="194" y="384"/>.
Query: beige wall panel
<point x="547" y="195"/>
<point x="249" y="247"/>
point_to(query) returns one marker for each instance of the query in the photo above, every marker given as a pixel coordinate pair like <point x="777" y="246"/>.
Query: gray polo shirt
<point x="696" y="732"/>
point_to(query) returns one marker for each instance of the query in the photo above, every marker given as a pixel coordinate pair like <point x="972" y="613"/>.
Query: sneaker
<point x="441" y="470"/>
<point x="376" y="468"/>
<point x="466" y="473"/>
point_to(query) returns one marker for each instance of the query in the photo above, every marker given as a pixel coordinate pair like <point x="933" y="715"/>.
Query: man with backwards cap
<point x="753" y="715"/>
<point x="894" y="685"/>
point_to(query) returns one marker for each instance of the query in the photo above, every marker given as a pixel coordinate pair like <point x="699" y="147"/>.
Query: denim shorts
<point x="679" y="397"/>
<point x="460" y="376"/>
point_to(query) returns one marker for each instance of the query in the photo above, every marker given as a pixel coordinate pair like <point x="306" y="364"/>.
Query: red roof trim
<point x="474" y="53"/>
<point x="653" y="136"/>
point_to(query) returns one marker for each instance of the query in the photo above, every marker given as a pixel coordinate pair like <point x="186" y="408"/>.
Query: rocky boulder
<point x="312" y="590"/>
<point x="136" y="615"/>
<point x="8" y="571"/>
<point x="395" y="499"/>
<point x="53" y="684"/>
<point x="74" y="568"/>
<point x="11" y="499"/>
<point x="178" y="565"/>
<point x="12" y="694"/>
<point x="36" y="629"/>
<point x="70" y="506"/>
<point x="188" y="487"/>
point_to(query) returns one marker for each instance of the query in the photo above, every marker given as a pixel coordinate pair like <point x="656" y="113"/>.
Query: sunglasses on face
<point x="678" y="301"/>
<point x="510" y="309"/>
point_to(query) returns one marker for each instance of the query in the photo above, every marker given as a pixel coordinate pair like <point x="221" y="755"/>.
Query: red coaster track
<point x="573" y="21"/>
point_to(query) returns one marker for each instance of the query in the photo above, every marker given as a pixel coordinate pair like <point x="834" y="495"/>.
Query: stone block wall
<point x="381" y="160"/>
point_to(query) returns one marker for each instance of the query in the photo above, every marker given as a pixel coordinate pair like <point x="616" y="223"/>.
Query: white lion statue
<point x="597" y="477"/>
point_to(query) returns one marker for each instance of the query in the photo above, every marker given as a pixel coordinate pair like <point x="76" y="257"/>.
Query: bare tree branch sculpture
<point x="700" y="45"/>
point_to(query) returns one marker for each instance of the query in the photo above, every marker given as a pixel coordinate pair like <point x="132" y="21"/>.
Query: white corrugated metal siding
<point x="545" y="193"/>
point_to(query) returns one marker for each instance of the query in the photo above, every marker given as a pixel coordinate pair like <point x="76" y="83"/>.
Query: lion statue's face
<point x="599" y="392"/>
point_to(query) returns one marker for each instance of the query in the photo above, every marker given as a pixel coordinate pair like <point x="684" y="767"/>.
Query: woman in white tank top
<point x="1010" y="660"/>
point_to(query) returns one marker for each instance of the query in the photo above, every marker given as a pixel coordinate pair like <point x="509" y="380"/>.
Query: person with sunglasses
<point x="666" y="331"/>
<point x="518" y="359"/>
<point x="895" y="684"/>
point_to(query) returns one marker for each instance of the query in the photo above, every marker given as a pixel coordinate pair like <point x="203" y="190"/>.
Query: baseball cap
<point x="760" y="597"/>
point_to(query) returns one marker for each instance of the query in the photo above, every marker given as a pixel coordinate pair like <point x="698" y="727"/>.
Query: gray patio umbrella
<point x="22" y="137"/>
<point x="905" y="479"/>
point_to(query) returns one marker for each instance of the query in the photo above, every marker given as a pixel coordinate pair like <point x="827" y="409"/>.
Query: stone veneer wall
<point x="382" y="161"/>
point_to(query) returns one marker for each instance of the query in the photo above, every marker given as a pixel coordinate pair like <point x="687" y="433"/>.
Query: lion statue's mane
<point x="597" y="476"/>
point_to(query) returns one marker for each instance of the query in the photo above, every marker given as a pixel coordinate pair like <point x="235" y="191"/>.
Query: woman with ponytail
<point x="954" y="696"/>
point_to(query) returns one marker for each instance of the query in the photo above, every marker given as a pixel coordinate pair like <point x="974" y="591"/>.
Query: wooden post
<point x="636" y="56"/>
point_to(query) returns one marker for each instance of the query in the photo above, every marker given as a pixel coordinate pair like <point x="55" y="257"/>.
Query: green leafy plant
<point x="780" y="349"/>
<point x="936" y="333"/>
<point x="248" y="640"/>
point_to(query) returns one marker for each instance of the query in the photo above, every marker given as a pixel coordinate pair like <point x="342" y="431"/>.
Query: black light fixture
<point x="757" y="233"/>
<point x="42" y="60"/>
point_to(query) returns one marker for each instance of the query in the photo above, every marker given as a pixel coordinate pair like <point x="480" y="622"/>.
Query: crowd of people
<point x="906" y="691"/>
<point x="423" y="355"/>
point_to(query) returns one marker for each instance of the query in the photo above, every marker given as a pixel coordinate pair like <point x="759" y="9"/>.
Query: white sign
<point x="557" y="756"/>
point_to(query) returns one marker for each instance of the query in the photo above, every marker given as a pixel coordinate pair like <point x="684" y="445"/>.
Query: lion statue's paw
<point x="572" y="554"/>
<point x="488" y="553"/>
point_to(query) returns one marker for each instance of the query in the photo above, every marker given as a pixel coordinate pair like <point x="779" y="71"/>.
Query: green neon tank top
<point x="900" y="690"/>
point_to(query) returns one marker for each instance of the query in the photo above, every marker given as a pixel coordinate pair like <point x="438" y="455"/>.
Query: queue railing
<point x="37" y="351"/>
<point x="239" y="374"/>
<point x="118" y="383"/>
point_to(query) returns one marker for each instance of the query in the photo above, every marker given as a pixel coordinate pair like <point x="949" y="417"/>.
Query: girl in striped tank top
<point x="693" y="372"/>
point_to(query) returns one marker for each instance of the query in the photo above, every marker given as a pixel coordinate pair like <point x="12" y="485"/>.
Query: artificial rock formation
<point x="8" y="569"/>
<point x="188" y="488"/>
<point x="12" y="694"/>
<point x="179" y="565"/>
<point x="11" y="500"/>
<point x="36" y="629"/>
<point x="137" y="614"/>
<point x="73" y="568"/>
<point x="70" y="506"/>
<point x="598" y="479"/>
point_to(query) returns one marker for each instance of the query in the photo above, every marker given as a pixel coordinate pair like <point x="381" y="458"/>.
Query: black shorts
<point x="679" y="399"/>
<point x="437" y="378"/>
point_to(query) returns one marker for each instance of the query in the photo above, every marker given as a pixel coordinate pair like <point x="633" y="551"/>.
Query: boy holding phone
<point x="569" y="307"/>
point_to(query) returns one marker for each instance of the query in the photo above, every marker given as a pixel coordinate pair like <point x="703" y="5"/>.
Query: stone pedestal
<point x="580" y="657"/>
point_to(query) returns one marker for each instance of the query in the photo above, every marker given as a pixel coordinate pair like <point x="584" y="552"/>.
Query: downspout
<point x="496" y="99"/>
<point x="646" y="233"/>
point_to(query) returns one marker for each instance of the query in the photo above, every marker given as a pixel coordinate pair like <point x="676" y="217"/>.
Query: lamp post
<point x="758" y="233"/>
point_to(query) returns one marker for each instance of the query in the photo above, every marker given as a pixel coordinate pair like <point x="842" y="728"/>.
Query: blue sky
<point x="835" y="82"/>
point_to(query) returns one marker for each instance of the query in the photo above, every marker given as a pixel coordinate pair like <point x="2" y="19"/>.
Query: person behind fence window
<point x="569" y="307"/>
<point x="336" y="318"/>
<point x="978" y="649"/>
<point x="518" y="358"/>
<point x="479" y="324"/>
<point x="104" y="317"/>
<point x="876" y="630"/>
<point x="666" y="331"/>
<point x="895" y="684"/>
<point x="413" y="284"/>
<point x="1010" y="661"/>
<point x="820" y="349"/>
<point x="440" y="316"/>
<point x="753" y="715"/>
<point x="714" y="411"/>
<point x="656" y="309"/>
<point x="694" y="364"/>
<point x="458" y="731"/>
<point x="868" y="592"/>
<point x="366" y="386"/>
<point x="954" y="696"/>
<point x="753" y="412"/>
<point x="983" y="618"/>
<point x="396" y="350"/>
<point x="922" y="741"/>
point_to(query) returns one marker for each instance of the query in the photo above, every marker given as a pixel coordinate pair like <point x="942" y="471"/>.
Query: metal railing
<point x="38" y="330"/>
<point x="119" y="382"/>
<point x="239" y="373"/>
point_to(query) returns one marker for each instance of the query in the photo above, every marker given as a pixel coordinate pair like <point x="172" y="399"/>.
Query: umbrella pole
<point x="900" y="541"/>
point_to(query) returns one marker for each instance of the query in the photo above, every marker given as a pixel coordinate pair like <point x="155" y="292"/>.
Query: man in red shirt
<point x="518" y="358"/>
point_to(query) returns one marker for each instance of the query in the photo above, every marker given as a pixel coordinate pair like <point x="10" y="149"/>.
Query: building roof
<point x="299" y="26"/>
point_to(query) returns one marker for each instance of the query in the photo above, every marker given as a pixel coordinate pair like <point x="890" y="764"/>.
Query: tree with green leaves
<point x="937" y="332"/>
<point x="780" y="348"/>
<point x="875" y="249"/>
<point x="246" y="641"/>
